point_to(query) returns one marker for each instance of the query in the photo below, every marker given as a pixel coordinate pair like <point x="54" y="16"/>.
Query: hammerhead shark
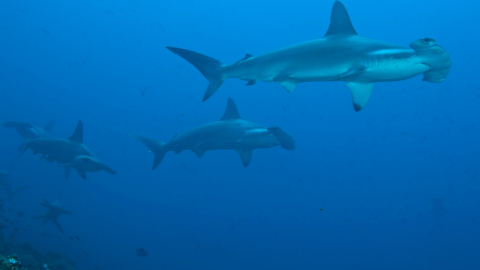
<point x="230" y="132"/>
<point x="29" y="132"/>
<point x="7" y="186"/>
<point x="54" y="210"/>
<point x="341" y="55"/>
<point x="71" y="153"/>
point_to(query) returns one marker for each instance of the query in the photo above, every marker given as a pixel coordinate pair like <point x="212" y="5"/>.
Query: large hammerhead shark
<point x="341" y="55"/>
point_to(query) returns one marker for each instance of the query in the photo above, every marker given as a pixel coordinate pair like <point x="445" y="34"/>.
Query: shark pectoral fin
<point x="44" y="221"/>
<point x="66" y="171"/>
<point x="251" y="82"/>
<point x="199" y="152"/>
<point x="246" y="156"/>
<point x="360" y="94"/>
<point x="55" y="221"/>
<point x="289" y="85"/>
<point x="82" y="173"/>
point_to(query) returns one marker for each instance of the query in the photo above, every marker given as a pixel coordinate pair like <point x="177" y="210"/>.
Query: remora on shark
<point x="71" y="153"/>
<point x="231" y="132"/>
<point x="341" y="55"/>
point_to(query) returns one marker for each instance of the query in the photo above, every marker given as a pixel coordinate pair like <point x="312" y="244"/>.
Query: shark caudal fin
<point x="210" y="68"/>
<point x="156" y="147"/>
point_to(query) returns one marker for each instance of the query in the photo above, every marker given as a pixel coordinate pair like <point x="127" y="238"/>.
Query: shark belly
<point x="393" y="65"/>
<point x="59" y="150"/>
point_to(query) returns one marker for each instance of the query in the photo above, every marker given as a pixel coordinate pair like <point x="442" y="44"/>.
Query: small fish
<point x="70" y="237"/>
<point x="78" y="238"/>
<point x="141" y="252"/>
<point x="143" y="92"/>
<point x="320" y="209"/>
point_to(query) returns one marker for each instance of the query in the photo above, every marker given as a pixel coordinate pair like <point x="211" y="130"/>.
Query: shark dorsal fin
<point x="49" y="126"/>
<point x="340" y="23"/>
<point x="231" y="112"/>
<point x="77" y="135"/>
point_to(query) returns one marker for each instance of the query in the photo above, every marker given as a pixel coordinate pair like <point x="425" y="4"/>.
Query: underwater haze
<point x="393" y="186"/>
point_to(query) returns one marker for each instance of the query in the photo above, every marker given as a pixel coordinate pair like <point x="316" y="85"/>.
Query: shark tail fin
<point x="211" y="68"/>
<point x="156" y="147"/>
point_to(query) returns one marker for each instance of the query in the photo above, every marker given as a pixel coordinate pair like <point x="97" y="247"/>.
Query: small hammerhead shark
<point x="54" y="210"/>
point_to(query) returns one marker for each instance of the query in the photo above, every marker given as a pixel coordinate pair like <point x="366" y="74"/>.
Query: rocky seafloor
<point x="15" y="256"/>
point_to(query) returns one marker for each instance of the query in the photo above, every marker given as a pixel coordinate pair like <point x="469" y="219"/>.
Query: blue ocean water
<point x="397" y="183"/>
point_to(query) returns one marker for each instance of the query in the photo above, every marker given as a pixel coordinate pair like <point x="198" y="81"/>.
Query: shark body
<point x="230" y="133"/>
<point x="341" y="55"/>
<point x="71" y="153"/>
<point x="30" y="132"/>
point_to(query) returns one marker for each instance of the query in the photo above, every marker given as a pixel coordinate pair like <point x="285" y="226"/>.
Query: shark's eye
<point x="428" y="40"/>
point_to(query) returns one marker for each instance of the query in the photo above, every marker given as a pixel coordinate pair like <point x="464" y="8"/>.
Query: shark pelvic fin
<point x="199" y="152"/>
<point x="77" y="135"/>
<point x="340" y="23"/>
<point x="360" y="94"/>
<point x="49" y="126"/>
<point x="211" y="68"/>
<point x="231" y="112"/>
<point x="251" y="82"/>
<point x="289" y="85"/>
<point x="245" y="156"/>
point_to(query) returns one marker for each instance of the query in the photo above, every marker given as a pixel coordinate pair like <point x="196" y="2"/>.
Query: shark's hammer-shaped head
<point x="286" y="141"/>
<point x="434" y="56"/>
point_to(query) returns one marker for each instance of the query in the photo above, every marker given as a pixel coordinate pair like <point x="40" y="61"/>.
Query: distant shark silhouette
<point x="7" y="186"/>
<point x="30" y="132"/>
<point x="231" y="132"/>
<point x="71" y="153"/>
<point x="54" y="210"/>
<point x="341" y="55"/>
